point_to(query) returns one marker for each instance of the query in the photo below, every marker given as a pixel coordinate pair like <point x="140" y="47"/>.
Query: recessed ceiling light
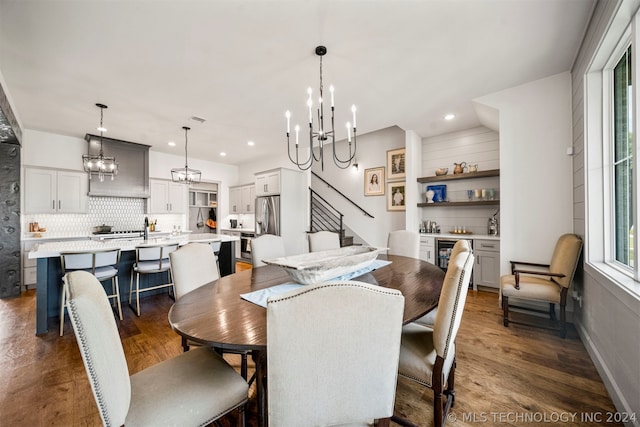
<point x="222" y="153"/>
<point x="251" y="143"/>
<point x="171" y="144"/>
<point x="450" y="117"/>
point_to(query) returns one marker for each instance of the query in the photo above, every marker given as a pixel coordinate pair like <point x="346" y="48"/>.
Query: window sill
<point x="624" y="288"/>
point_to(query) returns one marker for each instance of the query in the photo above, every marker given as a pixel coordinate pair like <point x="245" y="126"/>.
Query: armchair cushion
<point x="531" y="288"/>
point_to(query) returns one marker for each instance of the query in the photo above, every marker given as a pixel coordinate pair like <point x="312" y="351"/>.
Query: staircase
<point x="325" y="217"/>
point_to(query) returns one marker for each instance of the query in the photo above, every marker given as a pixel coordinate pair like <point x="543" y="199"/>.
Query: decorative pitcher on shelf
<point x="459" y="167"/>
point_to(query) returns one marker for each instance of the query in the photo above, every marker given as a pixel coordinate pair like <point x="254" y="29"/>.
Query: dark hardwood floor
<point x="505" y="376"/>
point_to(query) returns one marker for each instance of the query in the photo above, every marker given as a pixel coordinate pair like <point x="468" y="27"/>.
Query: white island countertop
<point x="53" y="249"/>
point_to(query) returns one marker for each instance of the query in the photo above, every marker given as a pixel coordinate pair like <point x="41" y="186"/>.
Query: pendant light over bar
<point x="321" y="134"/>
<point x="185" y="175"/>
<point x="100" y="165"/>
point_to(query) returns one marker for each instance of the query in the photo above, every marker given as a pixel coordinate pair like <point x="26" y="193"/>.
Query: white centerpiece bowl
<point x="316" y="267"/>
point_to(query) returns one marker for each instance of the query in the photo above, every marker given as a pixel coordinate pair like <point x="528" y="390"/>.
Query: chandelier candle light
<point x="185" y="175"/>
<point x="321" y="134"/>
<point x="100" y="165"/>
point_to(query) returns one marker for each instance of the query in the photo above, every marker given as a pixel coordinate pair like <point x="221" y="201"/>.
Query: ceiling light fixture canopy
<point x="100" y="165"/>
<point x="321" y="134"/>
<point x="186" y="175"/>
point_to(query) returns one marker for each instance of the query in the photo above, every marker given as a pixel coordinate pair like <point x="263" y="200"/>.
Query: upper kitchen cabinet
<point x="268" y="183"/>
<point x="242" y="199"/>
<point x="248" y="198"/>
<point x="55" y="191"/>
<point x="166" y="197"/>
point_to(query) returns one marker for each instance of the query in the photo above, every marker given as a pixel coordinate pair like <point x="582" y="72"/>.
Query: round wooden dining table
<point x="216" y="315"/>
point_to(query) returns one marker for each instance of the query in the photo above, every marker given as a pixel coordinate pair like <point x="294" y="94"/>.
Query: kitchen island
<point x="49" y="270"/>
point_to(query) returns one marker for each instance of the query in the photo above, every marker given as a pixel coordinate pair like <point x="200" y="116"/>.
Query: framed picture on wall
<point x="396" y="196"/>
<point x="396" y="164"/>
<point x="374" y="181"/>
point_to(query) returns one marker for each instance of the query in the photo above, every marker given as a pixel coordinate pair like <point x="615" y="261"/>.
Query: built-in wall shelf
<point x="471" y="203"/>
<point x="468" y="175"/>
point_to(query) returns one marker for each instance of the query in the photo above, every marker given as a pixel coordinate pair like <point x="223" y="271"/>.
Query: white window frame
<point x="599" y="249"/>
<point x="609" y="156"/>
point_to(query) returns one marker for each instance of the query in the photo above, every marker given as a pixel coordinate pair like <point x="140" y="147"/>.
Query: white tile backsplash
<point x="122" y="213"/>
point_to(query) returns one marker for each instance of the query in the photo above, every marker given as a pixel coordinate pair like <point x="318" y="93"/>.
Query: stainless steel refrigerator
<point x="267" y="215"/>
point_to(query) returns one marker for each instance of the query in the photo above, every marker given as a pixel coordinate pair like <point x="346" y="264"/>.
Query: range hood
<point x="133" y="168"/>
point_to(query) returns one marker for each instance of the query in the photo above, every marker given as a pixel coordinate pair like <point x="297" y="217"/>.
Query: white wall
<point x="535" y="171"/>
<point x="371" y="152"/>
<point x="477" y="145"/>
<point x="247" y="170"/>
<point x="413" y="168"/>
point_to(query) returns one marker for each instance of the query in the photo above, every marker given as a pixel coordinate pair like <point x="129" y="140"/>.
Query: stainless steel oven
<point x="245" y="245"/>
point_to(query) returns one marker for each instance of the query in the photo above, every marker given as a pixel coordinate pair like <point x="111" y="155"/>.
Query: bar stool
<point x="102" y="263"/>
<point x="150" y="259"/>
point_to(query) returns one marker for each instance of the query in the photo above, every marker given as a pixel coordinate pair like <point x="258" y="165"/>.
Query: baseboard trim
<point x="621" y="404"/>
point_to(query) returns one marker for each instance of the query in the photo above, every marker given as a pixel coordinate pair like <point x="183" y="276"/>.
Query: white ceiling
<point x="240" y="64"/>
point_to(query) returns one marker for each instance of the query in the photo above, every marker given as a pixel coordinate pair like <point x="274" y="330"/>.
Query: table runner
<point x="260" y="297"/>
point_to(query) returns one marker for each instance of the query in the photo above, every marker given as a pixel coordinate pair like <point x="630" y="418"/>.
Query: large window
<point x="622" y="156"/>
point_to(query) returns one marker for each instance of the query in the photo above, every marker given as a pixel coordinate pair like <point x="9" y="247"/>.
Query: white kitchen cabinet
<point x="236" y="243"/>
<point x="428" y="249"/>
<point x="268" y="183"/>
<point x="486" y="272"/>
<point x="166" y="197"/>
<point x="242" y="199"/>
<point x="55" y="191"/>
<point x="235" y="200"/>
<point x="29" y="273"/>
<point x="248" y="199"/>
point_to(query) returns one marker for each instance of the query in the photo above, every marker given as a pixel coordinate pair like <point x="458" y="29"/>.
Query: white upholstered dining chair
<point x="194" y="388"/>
<point x="404" y="243"/>
<point x="266" y="246"/>
<point x="341" y="369"/>
<point x="428" y="355"/>
<point x="429" y="319"/>
<point x="323" y="241"/>
<point x="192" y="266"/>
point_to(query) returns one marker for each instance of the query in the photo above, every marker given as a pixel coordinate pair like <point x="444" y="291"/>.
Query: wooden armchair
<point x="547" y="283"/>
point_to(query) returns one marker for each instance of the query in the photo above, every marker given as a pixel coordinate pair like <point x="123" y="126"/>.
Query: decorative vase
<point x="430" y="194"/>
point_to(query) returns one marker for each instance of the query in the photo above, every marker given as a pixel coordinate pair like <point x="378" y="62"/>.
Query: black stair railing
<point x="324" y="217"/>
<point x="341" y="194"/>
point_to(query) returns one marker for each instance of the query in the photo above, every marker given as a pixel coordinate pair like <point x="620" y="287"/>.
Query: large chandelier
<point x="321" y="134"/>
<point x="100" y="165"/>
<point x="185" y="175"/>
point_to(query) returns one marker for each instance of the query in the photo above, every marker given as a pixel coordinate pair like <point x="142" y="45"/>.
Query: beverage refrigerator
<point x="443" y="253"/>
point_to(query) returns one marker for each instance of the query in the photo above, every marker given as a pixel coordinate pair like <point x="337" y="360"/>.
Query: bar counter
<point x="49" y="270"/>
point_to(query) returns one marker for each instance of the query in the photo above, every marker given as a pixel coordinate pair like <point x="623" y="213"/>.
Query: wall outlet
<point x="577" y="297"/>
